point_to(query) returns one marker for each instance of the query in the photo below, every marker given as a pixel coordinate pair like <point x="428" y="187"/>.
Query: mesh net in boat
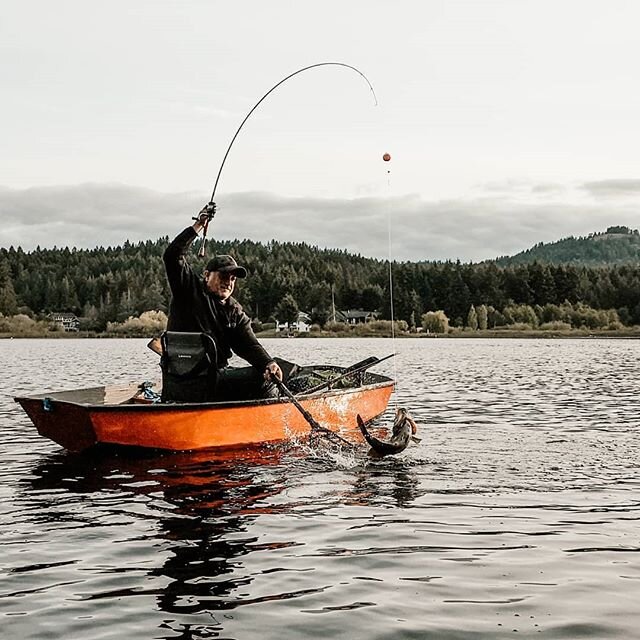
<point x="307" y="378"/>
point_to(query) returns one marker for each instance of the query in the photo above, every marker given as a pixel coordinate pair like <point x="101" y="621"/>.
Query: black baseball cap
<point x="226" y="264"/>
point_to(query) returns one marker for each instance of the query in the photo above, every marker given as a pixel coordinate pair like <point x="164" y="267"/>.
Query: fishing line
<point x="387" y="158"/>
<point x="257" y="104"/>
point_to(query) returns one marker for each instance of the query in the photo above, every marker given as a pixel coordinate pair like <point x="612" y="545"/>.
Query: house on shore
<point x="356" y="316"/>
<point x="301" y="325"/>
<point x="68" y="321"/>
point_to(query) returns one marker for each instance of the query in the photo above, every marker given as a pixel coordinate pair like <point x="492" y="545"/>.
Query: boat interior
<point x="307" y="381"/>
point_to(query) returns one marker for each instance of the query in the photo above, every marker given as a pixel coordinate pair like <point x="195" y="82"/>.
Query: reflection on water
<point x="517" y="512"/>
<point x="392" y="482"/>
<point x="201" y="505"/>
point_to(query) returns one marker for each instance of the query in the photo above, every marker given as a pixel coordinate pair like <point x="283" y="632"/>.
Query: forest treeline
<point x="108" y="285"/>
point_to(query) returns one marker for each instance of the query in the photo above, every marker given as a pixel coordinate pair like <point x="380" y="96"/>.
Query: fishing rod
<point x="359" y="367"/>
<point x="211" y="209"/>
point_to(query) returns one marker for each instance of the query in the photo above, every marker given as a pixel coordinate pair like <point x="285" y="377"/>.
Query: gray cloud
<point x="609" y="188"/>
<point x="472" y="229"/>
<point x="87" y="215"/>
<point x="548" y="188"/>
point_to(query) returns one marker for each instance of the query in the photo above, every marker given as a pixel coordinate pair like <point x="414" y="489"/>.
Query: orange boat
<point x="122" y="415"/>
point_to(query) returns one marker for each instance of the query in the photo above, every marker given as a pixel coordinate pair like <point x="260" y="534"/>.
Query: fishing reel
<point x="207" y="214"/>
<point x="204" y="218"/>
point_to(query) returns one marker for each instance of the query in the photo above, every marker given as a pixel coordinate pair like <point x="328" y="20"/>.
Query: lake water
<point x="516" y="516"/>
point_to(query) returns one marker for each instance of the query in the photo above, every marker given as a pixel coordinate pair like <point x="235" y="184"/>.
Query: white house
<point x="68" y="321"/>
<point x="301" y="325"/>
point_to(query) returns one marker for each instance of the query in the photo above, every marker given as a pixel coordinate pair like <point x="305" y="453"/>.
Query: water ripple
<point x="517" y="513"/>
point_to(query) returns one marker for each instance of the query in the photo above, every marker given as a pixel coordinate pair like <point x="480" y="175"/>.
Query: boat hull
<point x="78" y="420"/>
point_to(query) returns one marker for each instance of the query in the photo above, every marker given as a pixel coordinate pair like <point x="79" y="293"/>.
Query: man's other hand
<point x="272" y="370"/>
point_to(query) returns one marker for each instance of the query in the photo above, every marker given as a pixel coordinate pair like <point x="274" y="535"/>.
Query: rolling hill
<point x="615" y="246"/>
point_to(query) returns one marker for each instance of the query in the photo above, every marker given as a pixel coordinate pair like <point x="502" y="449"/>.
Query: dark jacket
<point x="194" y="308"/>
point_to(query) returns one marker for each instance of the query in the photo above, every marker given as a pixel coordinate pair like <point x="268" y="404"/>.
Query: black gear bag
<point x="188" y="366"/>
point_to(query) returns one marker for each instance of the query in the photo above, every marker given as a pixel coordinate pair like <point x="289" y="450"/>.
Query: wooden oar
<point x="308" y="417"/>
<point x="359" y="367"/>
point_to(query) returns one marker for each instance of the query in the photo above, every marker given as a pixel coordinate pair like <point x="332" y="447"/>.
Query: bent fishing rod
<point x="211" y="207"/>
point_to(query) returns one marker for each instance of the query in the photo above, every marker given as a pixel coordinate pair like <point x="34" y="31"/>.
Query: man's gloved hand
<point x="207" y="213"/>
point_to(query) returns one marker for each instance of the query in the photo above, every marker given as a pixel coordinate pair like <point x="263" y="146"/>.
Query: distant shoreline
<point x="630" y="333"/>
<point x="489" y="333"/>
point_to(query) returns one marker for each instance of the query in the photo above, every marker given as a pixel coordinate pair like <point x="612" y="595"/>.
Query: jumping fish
<point x="403" y="432"/>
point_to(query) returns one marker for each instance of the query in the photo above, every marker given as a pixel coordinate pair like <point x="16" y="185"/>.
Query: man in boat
<point x="204" y="305"/>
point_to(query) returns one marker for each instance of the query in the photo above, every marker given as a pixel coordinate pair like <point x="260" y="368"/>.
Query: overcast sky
<point x="509" y="122"/>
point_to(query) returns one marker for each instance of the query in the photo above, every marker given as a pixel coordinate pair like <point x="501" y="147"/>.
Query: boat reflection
<point x="204" y="509"/>
<point x="204" y="504"/>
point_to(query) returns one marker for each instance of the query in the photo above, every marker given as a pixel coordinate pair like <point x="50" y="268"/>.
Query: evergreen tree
<point x="458" y="298"/>
<point x="542" y="284"/>
<point x="372" y="297"/>
<point x="287" y="310"/>
<point x="516" y="285"/>
<point x="8" y="298"/>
